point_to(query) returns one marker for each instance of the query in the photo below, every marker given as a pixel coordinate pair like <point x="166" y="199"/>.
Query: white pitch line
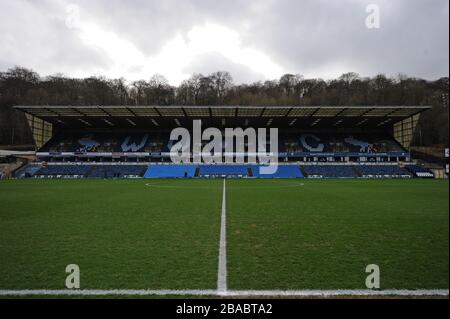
<point x="222" y="271"/>
<point x="222" y="284"/>
<point x="105" y="292"/>
<point x="212" y="292"/>
<point x="338" y="292"/>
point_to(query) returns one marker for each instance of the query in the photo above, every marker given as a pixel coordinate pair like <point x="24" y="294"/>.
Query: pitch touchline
<point x="222" y="269"/>
<point x="211" y="292"/>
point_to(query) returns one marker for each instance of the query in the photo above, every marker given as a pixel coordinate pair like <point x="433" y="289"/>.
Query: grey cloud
<point x="413" y="37"/>
<point x="310" y="37"/>
<point x="150" y="24"/>
<point x="36" y="36"/>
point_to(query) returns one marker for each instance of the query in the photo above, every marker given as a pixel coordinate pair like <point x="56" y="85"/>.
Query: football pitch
<point x="277" y="235"/>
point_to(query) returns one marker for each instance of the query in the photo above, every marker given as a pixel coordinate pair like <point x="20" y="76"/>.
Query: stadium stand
<point x="170" y="171"/>
<point x="341" y="143"/>
<point x="156" y="142"/>
<point x="95" y="142"/>
<point x="64" y="170"/>
<point x="283" y="171"/>
<point x="382" y="171"/>
<point x="117" y="171"/>
<point x="329" y="171"/>
<point x="217" y="170"/>
<point x="223" y="170"/>
<point x="419" y="171"/>
<point x="313" y="141"/>
<point x="27" y="170"/>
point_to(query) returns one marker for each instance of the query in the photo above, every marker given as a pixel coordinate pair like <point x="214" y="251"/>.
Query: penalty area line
<point x="228" y="293"/>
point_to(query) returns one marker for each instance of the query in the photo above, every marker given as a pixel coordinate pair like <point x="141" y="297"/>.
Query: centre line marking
<point x="222" y="271"/>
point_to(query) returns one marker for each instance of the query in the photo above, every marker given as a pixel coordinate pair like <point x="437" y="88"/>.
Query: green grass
<point x="121" y="233"/>
<point x="281" y="234"/>
<point x="323" y="235"/>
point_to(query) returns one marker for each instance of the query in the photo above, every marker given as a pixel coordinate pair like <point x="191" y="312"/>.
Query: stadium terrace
<point x="134" y="141"/>
<point x="235" y="146"/>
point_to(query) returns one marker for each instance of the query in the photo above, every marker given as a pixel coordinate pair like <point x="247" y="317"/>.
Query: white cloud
<point x="255" y="40"/>
<point x="177" y="54"/>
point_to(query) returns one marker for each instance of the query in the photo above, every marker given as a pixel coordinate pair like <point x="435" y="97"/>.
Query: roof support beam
<point x="364" y="113"/>
<point x="109" y="114"/>
<point x="77" y="111"/>
<point x="51" y="111"/>
<point x="157" y="111"/>
<point x="128" y="109"/>
<point x="288" y="112"/>
<point x="341" y="111"/>
<point x="315" y="111"/>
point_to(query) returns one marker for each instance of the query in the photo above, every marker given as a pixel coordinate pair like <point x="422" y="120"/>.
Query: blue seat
<point x="234" y="170"/>
<point x="419" y="170"/>
<point x="53" y="170"/>
<point x="329" y="171"/>
<point x="382" y="170"/>
<point x="117" y="171"/>
<point x="170" y="171"/>
<point x="283" y="171"/>
<point x="27" y="170"/>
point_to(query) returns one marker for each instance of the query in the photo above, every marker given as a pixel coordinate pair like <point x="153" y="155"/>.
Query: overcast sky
<point x="254" y="40"/>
